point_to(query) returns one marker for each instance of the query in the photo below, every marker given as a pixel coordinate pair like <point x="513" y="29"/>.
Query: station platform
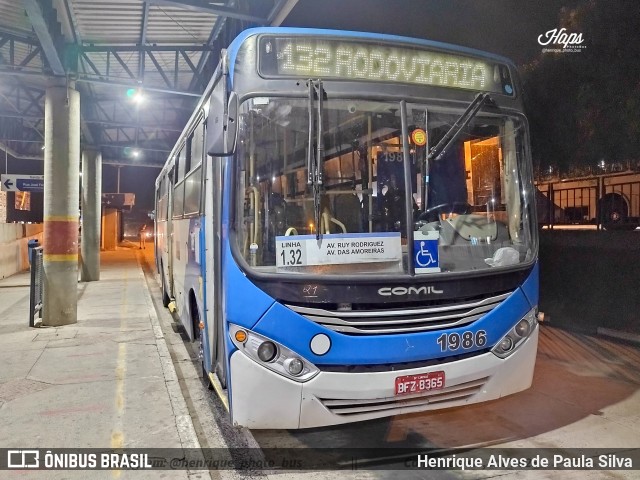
<point x="106" y="382"/>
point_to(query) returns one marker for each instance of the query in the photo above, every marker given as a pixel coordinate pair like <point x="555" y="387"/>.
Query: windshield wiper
<point x="314" y="168"/>
<point x="443" y="145"/>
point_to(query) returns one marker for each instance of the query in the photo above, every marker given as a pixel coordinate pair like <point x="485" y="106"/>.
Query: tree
<point x="584" y="107"/>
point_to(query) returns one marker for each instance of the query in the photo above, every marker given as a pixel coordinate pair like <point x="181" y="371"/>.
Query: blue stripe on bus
<point x="295" y="332"/>
<point x="205" y="317"/>
<point x="530" y="286"/>
<point x="245" y="303"/>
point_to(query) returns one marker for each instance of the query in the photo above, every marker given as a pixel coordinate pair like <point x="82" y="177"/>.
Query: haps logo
<point x="401" y="291"/>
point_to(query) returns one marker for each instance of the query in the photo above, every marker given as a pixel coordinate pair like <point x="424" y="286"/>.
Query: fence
<point x="612" y="202"/>
<point x="37" y="285"/>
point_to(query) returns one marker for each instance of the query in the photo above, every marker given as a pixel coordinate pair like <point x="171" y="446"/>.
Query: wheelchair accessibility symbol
<point x="424" y="257"/>
<point x="425" y="248"/>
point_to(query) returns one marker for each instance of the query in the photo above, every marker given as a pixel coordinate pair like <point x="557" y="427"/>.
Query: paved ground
<point x="106" y="382"/>
<point x="589" y="280"/>
<point x="585" y="394"/>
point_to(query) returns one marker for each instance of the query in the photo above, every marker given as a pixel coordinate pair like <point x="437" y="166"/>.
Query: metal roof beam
<point x="21" y="119"/>
<point x="280" y="11"/>
<point x="203" y="7"/>
<point x="17" y="91"/>
<point x="160" y="70"/>
<point x="107" y="161"/>
<point x="36" y="16"/>
<point x="34" y="101"/>
<point x="145" y="21"/>
<point x="215" y="31"/>
<point x="142" y="48"/>
<point x="25" y="62"/>
<point x="10" y="114"/>
<point x="131" y="163"/>
<point x="123" y="64"/>
<point x="114" y="124"/>
<point x="196" y="74"/>
<point x="17" y="155"/>
<point x="91" y="72"/>
<point x="72" y="22"/>
<point x="147" y="88"/>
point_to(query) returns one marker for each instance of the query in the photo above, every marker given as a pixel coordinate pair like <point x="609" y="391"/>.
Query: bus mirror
<point x="232" y="124"/>
<point x="217" y="121"/>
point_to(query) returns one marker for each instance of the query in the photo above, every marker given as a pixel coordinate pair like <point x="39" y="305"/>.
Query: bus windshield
<point x="470" y="208"/>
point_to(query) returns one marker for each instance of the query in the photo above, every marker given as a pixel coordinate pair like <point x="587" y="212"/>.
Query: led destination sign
<point x="358" y="60"/>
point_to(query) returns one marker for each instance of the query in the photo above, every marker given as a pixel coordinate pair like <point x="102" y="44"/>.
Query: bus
<point x="347" y="228"/>
<point x="610" y="199"/>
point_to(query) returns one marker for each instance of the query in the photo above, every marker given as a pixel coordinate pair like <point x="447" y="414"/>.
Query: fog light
<point x="295" y="366"/>
<point x="522" y="328"/>
<point x="267" y="351"/>
<point x="506" y="344"/>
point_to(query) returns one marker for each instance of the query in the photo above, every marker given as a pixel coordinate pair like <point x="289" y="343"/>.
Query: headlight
<point x="517" y="335"/>
<point x="267" y="351"/>
<point x="295" y="366"/>
<point x="522" y="328"/>
<point x="272" y="355"/>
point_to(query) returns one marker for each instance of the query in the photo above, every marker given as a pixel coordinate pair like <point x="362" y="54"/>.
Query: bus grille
<point x="403" y="320"/>
<point x="455" y="393"/>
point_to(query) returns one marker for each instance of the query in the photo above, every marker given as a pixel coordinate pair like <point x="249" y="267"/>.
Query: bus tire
<point x="165" y="296"/>
<point x="614" y="212"/>
<point x="197" y="335"/>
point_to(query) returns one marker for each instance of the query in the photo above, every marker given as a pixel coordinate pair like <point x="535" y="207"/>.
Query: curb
<point x="630" y="337"/>
<point x="184" y="424"/>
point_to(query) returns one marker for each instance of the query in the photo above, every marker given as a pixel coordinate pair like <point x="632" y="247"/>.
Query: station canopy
<point x="139" y="66"/>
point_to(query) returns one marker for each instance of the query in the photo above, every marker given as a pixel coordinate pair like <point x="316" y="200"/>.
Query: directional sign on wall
<point x="22" y="183"/>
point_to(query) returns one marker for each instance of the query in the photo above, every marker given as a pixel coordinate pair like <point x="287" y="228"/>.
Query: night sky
<point x="505" y="27"/>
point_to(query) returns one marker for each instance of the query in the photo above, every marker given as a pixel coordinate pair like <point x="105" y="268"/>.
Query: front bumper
<point x="261" y="398"/>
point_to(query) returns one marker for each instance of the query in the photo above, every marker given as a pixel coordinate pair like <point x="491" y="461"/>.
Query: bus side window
<point x="192" y="189"/>
<point x="181" y="164"/>
<point x="178" y="190"/>
<point x="163" y="200"/>
<point x="193" y="181"/>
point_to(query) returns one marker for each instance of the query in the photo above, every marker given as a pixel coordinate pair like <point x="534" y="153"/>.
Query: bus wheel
<point x="197" y="335"/>
<point x="614" y="212"/>
<point x="165" y="296"/>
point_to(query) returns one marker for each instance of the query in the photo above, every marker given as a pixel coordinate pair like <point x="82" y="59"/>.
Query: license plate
<point x="422" y="382"/>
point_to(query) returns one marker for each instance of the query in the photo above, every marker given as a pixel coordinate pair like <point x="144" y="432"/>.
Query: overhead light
<point x="135" y="153"/>
<point x="42" y="147"/>
<point x="136" y="95"/>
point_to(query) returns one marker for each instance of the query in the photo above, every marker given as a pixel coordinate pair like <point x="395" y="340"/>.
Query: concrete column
<point x="91" y="201"/>
<point x="61" y="201"/>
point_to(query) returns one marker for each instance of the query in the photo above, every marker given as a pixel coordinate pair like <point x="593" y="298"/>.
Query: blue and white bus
<point x="347" y="227"/>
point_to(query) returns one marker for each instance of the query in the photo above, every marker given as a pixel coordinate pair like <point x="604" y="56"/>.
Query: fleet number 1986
<point x="466" y="340"/>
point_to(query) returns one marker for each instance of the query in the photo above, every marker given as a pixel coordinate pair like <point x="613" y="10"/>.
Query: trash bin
<point x="31" y="244"/>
